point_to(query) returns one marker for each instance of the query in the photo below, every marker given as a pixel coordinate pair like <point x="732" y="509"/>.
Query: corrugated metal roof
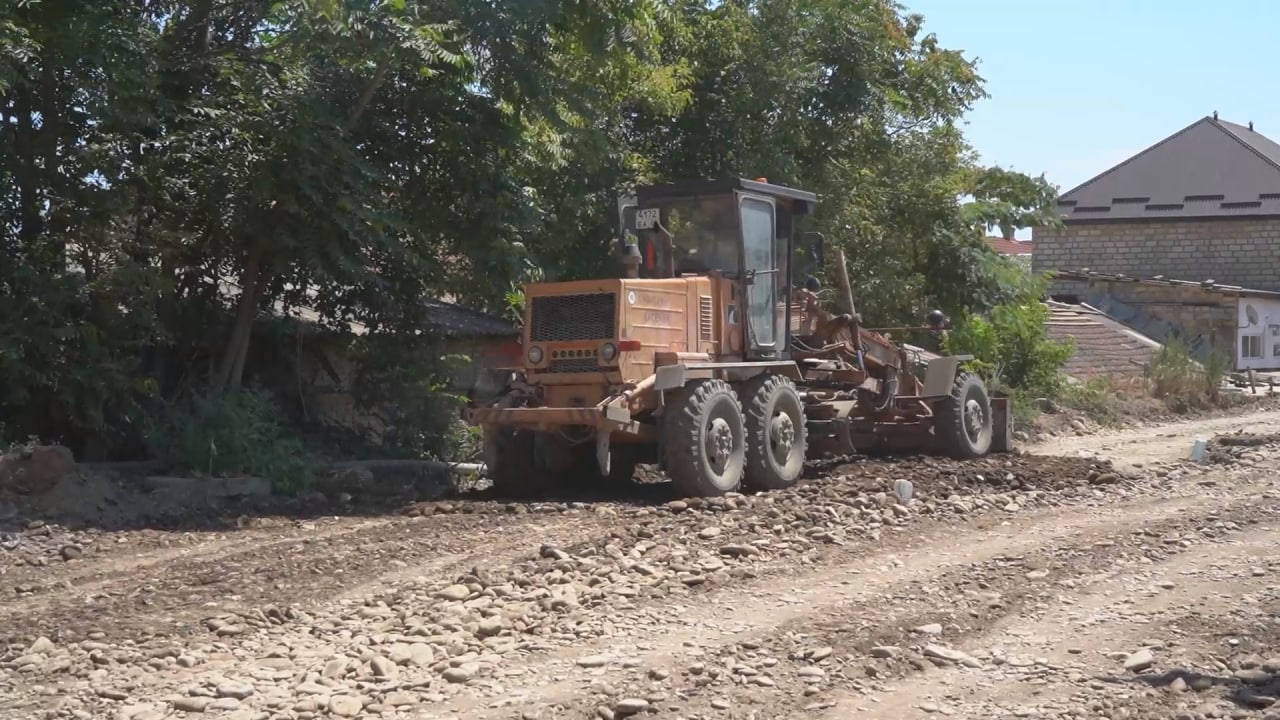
<point x="1209" y="169"/>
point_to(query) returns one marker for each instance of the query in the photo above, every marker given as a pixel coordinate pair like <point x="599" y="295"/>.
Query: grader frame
<point x="708" y="360"/>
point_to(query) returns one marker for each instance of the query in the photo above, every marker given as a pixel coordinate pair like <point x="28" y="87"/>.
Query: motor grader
<point x="709" y="359"/>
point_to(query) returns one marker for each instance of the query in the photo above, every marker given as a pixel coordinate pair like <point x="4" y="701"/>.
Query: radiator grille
<point x="705" y="310"/>
<point x="559" y="318"/>
<point x="574" y="365"/>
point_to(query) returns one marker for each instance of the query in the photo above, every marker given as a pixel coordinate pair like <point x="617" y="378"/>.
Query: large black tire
<point x="962" y="421"/>
<point x="776" y="437"/>
<point x="703" y="413"/>
<point x="509" y="459"/>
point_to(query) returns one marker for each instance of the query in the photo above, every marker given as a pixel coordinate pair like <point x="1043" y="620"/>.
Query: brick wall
<point x="1232" y="252"/>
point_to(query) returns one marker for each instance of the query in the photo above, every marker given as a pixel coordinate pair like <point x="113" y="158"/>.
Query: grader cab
<point x="714" y="358"/>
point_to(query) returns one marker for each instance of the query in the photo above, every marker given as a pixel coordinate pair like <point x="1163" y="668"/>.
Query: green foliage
<point x="236" y="433"/>
<point x="1183" y="383"/>
<point x="1096" y="398"/>
<point x="1011" y="348"/>
<point x="170" y="172"/>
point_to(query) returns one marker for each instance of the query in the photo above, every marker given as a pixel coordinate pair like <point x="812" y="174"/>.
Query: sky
<point x="1077" y="87"/>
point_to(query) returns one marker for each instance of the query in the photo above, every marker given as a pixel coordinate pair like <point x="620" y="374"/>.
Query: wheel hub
<point x="719" y="441"/>
<point x="782" y="435"/>
<point x="974" y="418"/>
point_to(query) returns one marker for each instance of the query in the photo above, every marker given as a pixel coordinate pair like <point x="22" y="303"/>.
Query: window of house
<point x="1250" y="346"/>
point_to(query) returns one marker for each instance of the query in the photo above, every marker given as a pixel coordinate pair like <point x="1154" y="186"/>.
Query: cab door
<point x="758" y="218"/>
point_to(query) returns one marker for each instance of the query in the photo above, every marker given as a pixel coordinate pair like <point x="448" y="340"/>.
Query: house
<point x="1202" y="204"/>
<point x="1242" y="325"/>
<point x="1011" y="247"/>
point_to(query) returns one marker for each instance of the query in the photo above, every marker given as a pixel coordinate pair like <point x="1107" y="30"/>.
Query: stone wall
<point x="1239" y="252"/>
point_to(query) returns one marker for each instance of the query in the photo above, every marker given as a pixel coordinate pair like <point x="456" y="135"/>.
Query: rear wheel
<point x="776" y="437"/>
<point x="704" y="440"/>
<point x="962" y="421"/>
<point x="509" y="459"/>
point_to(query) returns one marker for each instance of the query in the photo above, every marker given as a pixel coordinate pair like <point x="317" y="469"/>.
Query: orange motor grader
<point x="710" y="360"/>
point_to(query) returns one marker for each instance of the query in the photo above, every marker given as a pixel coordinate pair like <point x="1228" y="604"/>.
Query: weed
<point x="236" y="432"/>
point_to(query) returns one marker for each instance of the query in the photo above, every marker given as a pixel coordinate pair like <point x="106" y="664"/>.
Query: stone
<point x="42" y="646"/>
<point x="454" y="593"/>
<point x="1139" y="661"/>
<point x="593" y="661"/>
<point x="884" y="651"/>
<point x="461" y="674"/>
<point x="383" y="667"/>
<point x="192" y="704"/>
<point x="400" y="699"/>
<point x="941" y="652"/>
<point x="930" y="629"/>
<point x="630" y="706"/>
<point x="489" y="627"/>
<point x="236" y="690"/>
<point x="346" y="705"/>
<point x="35" y="470"/>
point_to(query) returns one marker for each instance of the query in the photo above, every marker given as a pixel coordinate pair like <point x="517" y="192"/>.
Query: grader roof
<point x="802" y="201"/>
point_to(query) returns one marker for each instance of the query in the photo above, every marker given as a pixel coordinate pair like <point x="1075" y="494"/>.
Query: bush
<point x="238" y="432"/>
<point x="1098" y="398"/>
<point x="1182" y="382"/>
<point x="1012" y="349"/>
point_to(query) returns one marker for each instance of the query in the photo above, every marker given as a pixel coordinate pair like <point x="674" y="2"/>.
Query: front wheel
<point x="776" y="436"/>
<point x="962" y="421"/>
<point x="704" y="440"/>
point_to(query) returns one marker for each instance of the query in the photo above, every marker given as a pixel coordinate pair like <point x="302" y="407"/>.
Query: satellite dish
<point x="1251" y="314"/>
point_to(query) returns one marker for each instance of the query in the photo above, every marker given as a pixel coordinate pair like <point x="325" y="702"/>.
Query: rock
<point x="42" y="646"/>
<point x="191" y="704"/>
<point x="35" y="470"/>
<point x="593" y="661"/>
<point x="236" y="690"/>
<point x="884" y="651"/>
<point x="454" y="593"/>
<point x="941" y="652"/>
<point x="930" y="629"/>
<point x="1139" y="661"/>
<point x="489" y="627"/>
<point x="708" y="533"/>
<point x="346" y="705"/>
<point x="1253" y="676"/>
<point x="400" y="699"/>
<point x="630" y="706"/>
<point x="821" y="653"/>
<point x="739" y="550"/>
<point x="383" y="667"/>
<point x="461" y="674"/>
<point x="335" y="669"/>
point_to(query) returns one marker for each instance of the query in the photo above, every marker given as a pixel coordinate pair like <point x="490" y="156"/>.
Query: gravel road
<point x="1099" y="577"/>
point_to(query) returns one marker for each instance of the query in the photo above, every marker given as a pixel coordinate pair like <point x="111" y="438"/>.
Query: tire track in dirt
<point x="666" y="636"/>
<point x="1079" y="644"/>
<point x="166" y="593"/>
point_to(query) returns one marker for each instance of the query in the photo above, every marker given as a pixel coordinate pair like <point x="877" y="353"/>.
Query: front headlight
<point x="535" y="355"/>
<point x="608" y="352"/>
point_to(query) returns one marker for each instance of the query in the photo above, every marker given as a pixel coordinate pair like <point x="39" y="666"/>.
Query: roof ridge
<point x="1131" y="158"/>
<point x="1249" y="146"/>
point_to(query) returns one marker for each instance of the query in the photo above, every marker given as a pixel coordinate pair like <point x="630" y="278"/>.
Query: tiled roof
<point x="1209" y="169"/>
<point x="1005" y="246"/>
<point x="1103" y="347"/>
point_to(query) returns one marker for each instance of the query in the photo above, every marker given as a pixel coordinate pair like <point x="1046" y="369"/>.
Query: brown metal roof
<point x="1209" y="169"/>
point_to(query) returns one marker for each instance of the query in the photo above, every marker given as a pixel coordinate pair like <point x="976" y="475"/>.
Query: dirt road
<point x="1029" y="586"/>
